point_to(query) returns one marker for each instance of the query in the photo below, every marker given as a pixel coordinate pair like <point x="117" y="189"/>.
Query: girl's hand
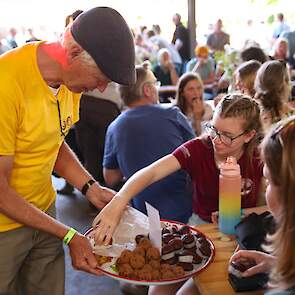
<point x="107" y="220"/>
<point x="198" y="108"/>
<point x="264" y="262"/>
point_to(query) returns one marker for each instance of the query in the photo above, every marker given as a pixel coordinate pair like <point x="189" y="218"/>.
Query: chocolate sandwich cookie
<point x="167" y="237"/>
<point x="238" y="267"/>
<point x="205" y="248"/>
<point x="177" y="244"/>
<point x="197" y="259"/>
<point x="174" y="229"/>
<point x="188" y="241"/>
<point x="165" y="230"/>
<point x="184" y="230"/>
<point x="185" y="256"/>
<point x="178" y="235"/>
<point x="186" y="266"/>
<point x="168" y="255"/>
<point x="199" y="236"/>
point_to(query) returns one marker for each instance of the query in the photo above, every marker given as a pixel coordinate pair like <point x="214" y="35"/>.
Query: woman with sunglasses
<point x="279" y="170"/>
<point x="235" y="131"/>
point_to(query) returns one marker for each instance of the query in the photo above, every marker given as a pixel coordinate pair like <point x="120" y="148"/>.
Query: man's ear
<point x="73" y="52"/>
<point x="145" y="90"/>
<point x="249" y="135"/>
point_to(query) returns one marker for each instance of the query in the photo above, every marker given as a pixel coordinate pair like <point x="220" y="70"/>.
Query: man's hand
<point x="99" y="196"/>
<point x="82" y="255"/>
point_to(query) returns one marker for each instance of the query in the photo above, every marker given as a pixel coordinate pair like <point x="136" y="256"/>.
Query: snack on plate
<point x="183" y="240"/>
<point x="143" y="263"/>
<point x="102" y="259"/>
<point x="204" y="247"/>
<point x="168" y="254"/>
<point x="189" y="241"/>
<point x="185" y="260"/>
<point x="238" y="267"/>
<point x="183" y="251"/>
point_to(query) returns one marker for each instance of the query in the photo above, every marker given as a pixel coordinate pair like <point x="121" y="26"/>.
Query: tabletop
<point x="213" y="280"/>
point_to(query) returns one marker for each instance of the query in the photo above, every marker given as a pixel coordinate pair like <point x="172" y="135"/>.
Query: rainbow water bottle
<point x="229" y="196"/>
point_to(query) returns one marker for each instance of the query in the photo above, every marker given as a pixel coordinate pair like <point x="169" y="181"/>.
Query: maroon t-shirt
<point x="197" y="158"/>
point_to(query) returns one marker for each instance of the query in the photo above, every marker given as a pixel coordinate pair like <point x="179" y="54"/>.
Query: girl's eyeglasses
<point x="225" y="139"/>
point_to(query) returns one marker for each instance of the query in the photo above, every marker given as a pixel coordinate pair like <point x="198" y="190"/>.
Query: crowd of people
<point x="76" y="94"/>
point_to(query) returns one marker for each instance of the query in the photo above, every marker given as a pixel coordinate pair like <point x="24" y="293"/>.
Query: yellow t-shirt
<point x="30" y="127"/>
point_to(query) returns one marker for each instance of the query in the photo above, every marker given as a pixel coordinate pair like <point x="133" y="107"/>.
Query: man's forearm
<point x="69" y="167"/>
<point x="18" y="209"/>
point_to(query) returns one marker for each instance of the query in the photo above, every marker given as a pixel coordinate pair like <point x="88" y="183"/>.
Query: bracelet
<point x="68" y="237"/>
<point x="86" y="186"/>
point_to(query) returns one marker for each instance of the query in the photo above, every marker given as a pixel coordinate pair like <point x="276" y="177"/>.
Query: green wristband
<point x="68" y="237"/>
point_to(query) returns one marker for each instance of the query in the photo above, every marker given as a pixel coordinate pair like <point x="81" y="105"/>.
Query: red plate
<point x="109" y="271"/>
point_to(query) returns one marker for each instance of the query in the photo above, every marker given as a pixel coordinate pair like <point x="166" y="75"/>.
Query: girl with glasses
<point x="279" y="170"/>
<point x="235" y="132"/>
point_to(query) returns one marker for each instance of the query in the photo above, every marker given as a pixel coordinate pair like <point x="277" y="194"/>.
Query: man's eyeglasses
<point x="278" y="131"/>
<point x="157" y="84"/>
<point x="225" y="139"/>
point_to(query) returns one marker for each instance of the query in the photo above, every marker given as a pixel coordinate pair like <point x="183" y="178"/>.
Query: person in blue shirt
<point x="142" y="134"/>
<point x="280" y="27"/>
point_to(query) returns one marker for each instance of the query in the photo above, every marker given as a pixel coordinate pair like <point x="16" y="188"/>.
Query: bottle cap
<point x="230" y="167"/>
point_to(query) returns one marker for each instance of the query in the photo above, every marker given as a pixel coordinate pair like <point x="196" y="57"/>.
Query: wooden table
<point x="213" y="280"/>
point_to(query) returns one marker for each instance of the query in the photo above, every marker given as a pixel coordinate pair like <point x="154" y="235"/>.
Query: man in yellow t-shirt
<point x="40" y="90"/>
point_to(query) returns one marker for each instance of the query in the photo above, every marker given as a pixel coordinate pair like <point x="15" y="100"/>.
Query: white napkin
<point x="155" y="226"/>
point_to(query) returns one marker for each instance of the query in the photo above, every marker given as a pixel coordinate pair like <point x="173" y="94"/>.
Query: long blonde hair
<point x="278" y="154"/>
